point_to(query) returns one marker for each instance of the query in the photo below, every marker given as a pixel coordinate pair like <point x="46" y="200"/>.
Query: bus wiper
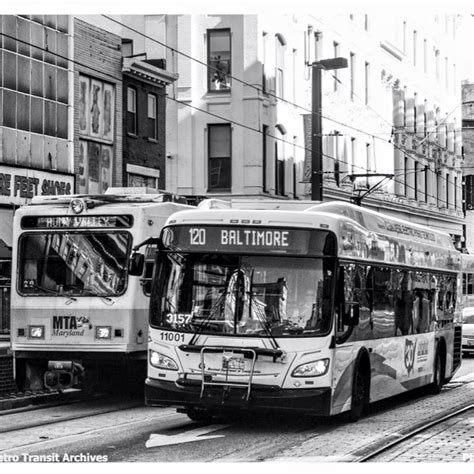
<point x="211" y="314"/>
<point x="261" y="318"/>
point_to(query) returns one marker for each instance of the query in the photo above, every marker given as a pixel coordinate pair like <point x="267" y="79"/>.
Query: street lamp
<point x="316" y="124"/>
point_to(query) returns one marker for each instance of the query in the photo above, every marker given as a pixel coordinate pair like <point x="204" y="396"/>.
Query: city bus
<point x="318" y="311"/>
<point x="468" y="303"/>
<point x="77" y="317"/>
<point x="468" y="280"/>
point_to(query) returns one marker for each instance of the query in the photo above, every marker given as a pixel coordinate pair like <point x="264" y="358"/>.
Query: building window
<point x="132" y="111"/>
<point x="352" y="73"/>
<point x="469" y="192"/>
<point x="152" y="123"/>
<point x="368" y="167"/>
<point x="437" y="64"/>
<point x="425" y="56"/>
<point x="127" y="47"/>
<point x="220" y="157"/>
<point x="455" y="192"/>
<point x="415" y="117"/>
<point x="219" y="60"/>
<point x="264" y="62"/>
<point x="405" y="181"/>
<point x="353" y="154"/>
<point x="294" y="78"/>
<point x="427" y="176"/>
<point x="279" y="162"/>
<point x="446" y="72"/>
<point x="415" y="46"/>
<point x="308" y="46"/>
<point x="280" y="65"/>
<point x="415" y="191"/>
<point x="447" y="191"/>
<point x="367" y="79"/>
<point x="425" y="118"/>
<point x="142" y="177"/>
<point x="335" y="72"/>
<point x="337" y="165"/>
<point x="264" y="158"/>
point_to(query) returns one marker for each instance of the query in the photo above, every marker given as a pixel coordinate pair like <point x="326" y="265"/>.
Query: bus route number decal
<point x="178" y="318"/>
<point x="197" y="236"/>
<point x="172" y="337"/>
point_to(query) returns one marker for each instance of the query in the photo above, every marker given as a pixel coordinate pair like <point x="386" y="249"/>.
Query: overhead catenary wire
<point x="259" y="89"/>
<point x="205" y="111"/>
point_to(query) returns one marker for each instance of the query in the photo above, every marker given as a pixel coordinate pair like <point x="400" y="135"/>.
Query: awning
<point x="6" y="233"/>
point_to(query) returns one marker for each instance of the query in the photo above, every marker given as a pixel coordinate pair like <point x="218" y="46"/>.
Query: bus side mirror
<point x="350" y="316"/>
<point x="136" y="264"/>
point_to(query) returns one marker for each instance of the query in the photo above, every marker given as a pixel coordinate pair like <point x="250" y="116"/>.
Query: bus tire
<point x="200" y="415"/>
<point x="438" y="379"/>
<point x="360" y="392"/>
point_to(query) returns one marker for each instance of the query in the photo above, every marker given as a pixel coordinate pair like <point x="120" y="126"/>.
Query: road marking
<point x="187" y="437"/>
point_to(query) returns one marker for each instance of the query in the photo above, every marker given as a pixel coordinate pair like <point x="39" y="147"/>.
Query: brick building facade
<point x="98" y="108"/>
<point x="144" y="122"/>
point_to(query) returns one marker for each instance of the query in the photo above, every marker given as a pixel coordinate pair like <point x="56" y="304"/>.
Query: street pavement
<point x="349" y="441"/>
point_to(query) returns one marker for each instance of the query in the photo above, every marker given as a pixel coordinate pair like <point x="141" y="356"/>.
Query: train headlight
<point x="35" y="332"/>
<point x="77" y="206"/>
<point x="160" y="361"/>
<point x="103" y="332"/>
<point x="315" y="368"/>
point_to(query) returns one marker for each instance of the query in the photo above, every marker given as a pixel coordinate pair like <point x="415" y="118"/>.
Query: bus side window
<point x="348" y="307"/>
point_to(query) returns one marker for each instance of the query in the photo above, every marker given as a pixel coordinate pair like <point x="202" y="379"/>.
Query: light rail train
<point x="77" y="318"/>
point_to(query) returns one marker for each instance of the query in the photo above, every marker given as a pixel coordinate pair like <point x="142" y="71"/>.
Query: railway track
<point x="10" y="421"/>
<point x="371" y="452"/>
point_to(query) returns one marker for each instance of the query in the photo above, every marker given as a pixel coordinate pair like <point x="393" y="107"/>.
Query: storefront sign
<point x="18" y="185"/>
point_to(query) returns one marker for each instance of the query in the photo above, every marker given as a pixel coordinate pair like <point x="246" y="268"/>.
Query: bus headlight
<point x="35" y="332"/>
<point x="103" y="332"/>
<point x="312" y="369"/>
<point x="160" y="361"/>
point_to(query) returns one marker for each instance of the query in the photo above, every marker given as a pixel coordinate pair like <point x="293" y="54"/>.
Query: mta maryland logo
<point x="409" y="359"/>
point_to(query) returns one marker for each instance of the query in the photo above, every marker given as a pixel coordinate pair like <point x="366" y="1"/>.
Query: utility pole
<point x="316" y="124"/>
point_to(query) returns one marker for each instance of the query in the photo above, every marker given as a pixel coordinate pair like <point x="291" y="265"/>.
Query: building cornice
<point x="146" y="72"/>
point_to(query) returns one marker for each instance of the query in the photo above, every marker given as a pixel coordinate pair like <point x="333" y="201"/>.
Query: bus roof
<point x="361" y="233"/>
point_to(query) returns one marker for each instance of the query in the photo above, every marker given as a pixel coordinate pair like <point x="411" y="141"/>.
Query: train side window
<point x="149" y="269"/>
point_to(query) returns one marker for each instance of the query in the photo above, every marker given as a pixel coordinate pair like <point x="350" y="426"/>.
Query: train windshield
<point x="73" y="263"/>
<point x="216" y="293"/>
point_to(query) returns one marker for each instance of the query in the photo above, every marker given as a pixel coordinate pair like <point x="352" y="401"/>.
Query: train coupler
<point x="62" y="375"/>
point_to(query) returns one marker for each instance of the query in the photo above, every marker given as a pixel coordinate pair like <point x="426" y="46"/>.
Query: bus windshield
<point x="73" y="263"/>
<point x="217" y="293"/>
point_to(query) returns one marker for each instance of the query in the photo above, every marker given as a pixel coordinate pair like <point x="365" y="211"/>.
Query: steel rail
<point x="101" y="410"/>
<point x="410" y="433"/>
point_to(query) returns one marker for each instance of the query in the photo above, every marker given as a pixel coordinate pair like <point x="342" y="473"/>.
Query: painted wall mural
<point x="96" y="130"/>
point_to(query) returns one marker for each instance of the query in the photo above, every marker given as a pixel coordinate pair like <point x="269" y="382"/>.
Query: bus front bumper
<point x="313" y="401"/>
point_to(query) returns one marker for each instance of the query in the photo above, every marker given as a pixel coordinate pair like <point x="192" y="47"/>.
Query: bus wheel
<point x="200" y="415"/>
<point x="438" y="373"/>
<point x="360" y="395"/>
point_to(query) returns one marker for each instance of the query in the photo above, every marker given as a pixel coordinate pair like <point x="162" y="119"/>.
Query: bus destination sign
<point x="245" y="239"/>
